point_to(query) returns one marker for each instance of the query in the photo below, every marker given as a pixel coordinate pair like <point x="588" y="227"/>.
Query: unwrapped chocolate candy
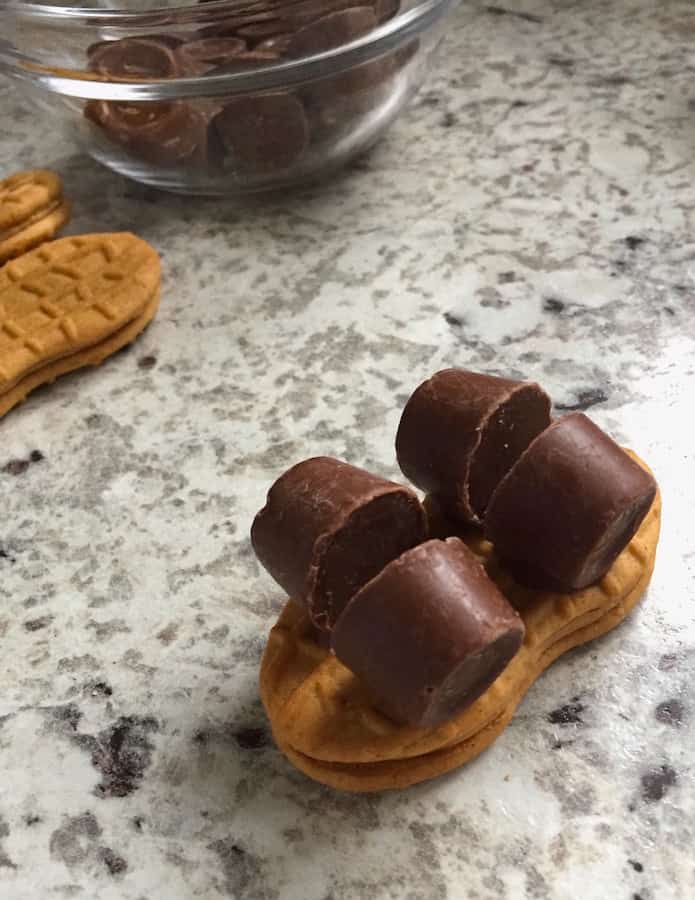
<point x="208" y="54"/>
<point x="166" y="134"/>
<point x="569" y="506"/>
<point x="335" y="30"/>
<point x="328" y="527"/>
<point x="461" y="432"/>
<point x="263" y="132"/>
<point x="147" y="57"/>
<point x="429" y="634"/>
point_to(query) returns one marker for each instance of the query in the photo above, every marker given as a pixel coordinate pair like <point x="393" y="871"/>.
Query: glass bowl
<point x="224" y="97"/>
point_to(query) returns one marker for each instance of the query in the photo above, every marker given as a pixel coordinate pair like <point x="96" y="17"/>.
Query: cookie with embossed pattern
<point x="325" y="722"/>
<point x="72" y="303"/>
<point x="32" y="210"/>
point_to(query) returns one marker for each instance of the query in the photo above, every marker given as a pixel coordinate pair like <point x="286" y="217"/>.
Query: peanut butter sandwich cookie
<point x="405" y="652"/>
<point x="71" y="303"/>
<point x="32" y="210"/>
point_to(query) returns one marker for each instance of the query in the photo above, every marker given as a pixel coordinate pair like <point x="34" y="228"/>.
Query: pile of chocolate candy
<point x="255" y="133"/>
<point x="387" y="581"/>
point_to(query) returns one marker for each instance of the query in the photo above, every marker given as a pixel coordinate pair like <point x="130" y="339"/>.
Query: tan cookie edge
<point x="35" y="233"/>
<point x="393" y="774"/>
<point x="89" y="356"/>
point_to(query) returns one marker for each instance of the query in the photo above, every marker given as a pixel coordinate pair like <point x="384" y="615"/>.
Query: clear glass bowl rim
<point x="392" y="34"/>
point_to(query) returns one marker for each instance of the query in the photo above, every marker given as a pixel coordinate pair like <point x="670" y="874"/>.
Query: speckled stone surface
<point x="532" y="213"/>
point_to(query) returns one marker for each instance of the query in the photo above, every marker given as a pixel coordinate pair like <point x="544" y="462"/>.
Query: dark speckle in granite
<point x="668" y="661"/>
<point x="566" y="64"/>
<point x="657" y="782"/>
<point x="147" y="362"/>
<point x="448" y="120"/>
<point x="5" y="861"/>
<point x="633" y="242"/>
<point x="115" y="864"/>
<point x="97" y="689"/>
<point x="167" y="635"/>
<point x="39" y="623"/>
<point x="243" y="871"/>
<point x="247" y="738"/>
<point x="63" y="719"/>
<point x="18" y="466"/>
<point x="637" y="866"/>
<point x="104" y="631"/>
<point x="586" y="398"/>
<point x="617" y="80"/>
<point x="670" y="712"/>
<point x="454" y="321"/>
<point x="553" y="305"/>
<point x="122" y="753"/>
<point x="73" y="841"/>
<point x="513" y="13"/>
<point x="6" y="554"/>
<point x="428" y="860"/>
<point x="76" y="663"/>
<point x="252" y="738"/>
<point x="569" y="714"/>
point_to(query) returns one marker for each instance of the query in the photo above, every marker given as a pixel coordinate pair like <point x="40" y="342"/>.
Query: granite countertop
<point x="532" y="213"/>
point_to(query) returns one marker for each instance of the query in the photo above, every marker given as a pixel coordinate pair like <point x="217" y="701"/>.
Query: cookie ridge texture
<point x="71" y="303"/>
<point x="32" y="211"/>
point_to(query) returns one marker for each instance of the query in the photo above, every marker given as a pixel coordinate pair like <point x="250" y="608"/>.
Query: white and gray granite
<point x="532" y="213"/>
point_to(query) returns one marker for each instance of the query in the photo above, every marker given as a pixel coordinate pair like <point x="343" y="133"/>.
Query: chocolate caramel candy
<point x="148" y="57"/>
<point x="167" y="134"/>
<point x="461" y="432"/>
<point x="429" y="634"/>
<point x="386" y="9"/>
<point x="262" y="132"/>
<point x="207" y="54"/>
<point x="332" y="30"/>
<point x="335" y="30"/>
<point x="249" y="59"/>
<point x="328" y="527"/>
<point x="568" y="507"/>
<point x="277" y="44"/>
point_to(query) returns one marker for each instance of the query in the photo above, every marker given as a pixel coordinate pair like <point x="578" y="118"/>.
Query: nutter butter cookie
<point x="431" y="653"/>
<point x="32" y="210"/>
<point x="329" y="725"/>
<point x="72" y="303"/>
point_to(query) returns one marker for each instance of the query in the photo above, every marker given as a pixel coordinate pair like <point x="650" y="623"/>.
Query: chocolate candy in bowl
<point x="225" y="97"/>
